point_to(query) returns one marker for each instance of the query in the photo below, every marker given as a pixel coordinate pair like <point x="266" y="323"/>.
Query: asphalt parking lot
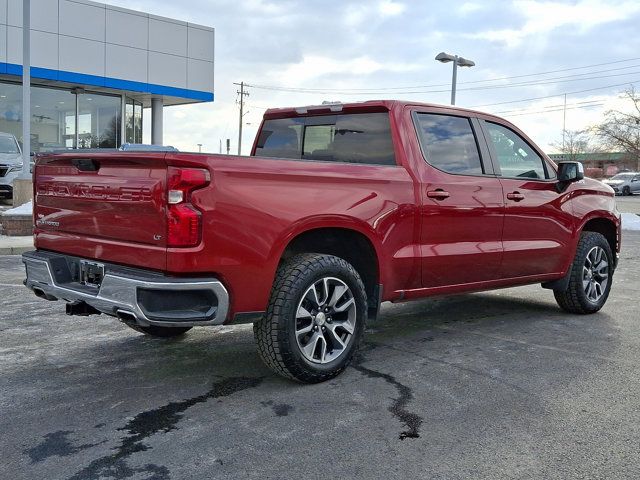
<point x="630" y="204"/>
<point x="490" y="385"/>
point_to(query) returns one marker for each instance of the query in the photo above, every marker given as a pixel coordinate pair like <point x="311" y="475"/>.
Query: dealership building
<point x="94" y="67"/>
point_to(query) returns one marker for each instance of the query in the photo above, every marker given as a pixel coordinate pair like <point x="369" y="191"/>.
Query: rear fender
<point x="328" y="221"/>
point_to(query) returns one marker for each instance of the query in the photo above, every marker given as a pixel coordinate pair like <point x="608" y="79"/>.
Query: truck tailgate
<point x="107" y="207"/>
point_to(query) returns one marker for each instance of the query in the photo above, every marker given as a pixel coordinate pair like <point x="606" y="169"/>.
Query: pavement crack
<point x="145" y="424"/>
<point x="398" y="408"/>
<point x="459" y="367"/>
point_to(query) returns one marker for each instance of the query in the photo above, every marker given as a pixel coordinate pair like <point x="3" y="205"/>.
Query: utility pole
<point x="564" y="121"/>
<point x="228" y="145"/>
<point x="242" y="94"/>
<point x="199" y="148"/>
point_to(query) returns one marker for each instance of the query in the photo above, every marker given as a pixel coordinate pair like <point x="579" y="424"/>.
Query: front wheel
<point x="315" y="319"/>
<point x="590" y="276"/>
<point x="626" y="191"/>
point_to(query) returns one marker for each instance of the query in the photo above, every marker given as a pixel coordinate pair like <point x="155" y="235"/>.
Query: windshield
<point x="8" y="145"/>
<point x="622" y="176"/>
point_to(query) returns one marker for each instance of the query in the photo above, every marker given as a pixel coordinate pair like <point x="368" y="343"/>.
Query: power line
<point x="550" y="81"/>
<point x="558" y="71"/>
<point x="560" y="105"/>
<point x="557" y="95"/>
<point x="554" y="110"/>
<point x="369" y="91"/>
<point x="495" y="87"/>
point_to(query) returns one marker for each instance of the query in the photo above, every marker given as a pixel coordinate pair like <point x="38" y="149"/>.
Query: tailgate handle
<point x="86" y="164"/>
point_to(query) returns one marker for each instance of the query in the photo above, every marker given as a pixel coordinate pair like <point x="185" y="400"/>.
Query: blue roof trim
<point x="107" y="82"/>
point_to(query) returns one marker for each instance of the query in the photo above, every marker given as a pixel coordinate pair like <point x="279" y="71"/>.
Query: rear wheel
<point x="164" y="332"/>
<point x="315" y="318"/>
<point x="590" y="276"/>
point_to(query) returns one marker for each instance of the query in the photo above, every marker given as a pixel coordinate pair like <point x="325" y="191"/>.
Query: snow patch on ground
<point x="630" y="221"/>
<point x="24" y="209"/>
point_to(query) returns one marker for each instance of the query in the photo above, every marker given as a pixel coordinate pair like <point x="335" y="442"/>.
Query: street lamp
<point x="457" y="61"/>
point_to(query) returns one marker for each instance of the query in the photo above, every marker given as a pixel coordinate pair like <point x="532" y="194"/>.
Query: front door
<point x="538" y="223"/>
<point x="462" y="209"/>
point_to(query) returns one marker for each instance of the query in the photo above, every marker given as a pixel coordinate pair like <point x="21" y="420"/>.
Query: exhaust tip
<point x="126" y="317"/>
<point x="40" y="294"/>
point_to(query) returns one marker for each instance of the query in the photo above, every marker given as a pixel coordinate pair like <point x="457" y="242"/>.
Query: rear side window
<point x="515" y="156"/>
<point x="280" y="138"/>
<point x="355" y="138"/>
<point x="448" y="143"/>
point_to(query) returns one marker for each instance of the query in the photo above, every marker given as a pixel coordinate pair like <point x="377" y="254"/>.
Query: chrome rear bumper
<point x="142" y="296"/>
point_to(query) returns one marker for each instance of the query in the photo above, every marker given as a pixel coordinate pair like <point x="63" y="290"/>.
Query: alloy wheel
<point x="595" y="274"/>
<point x="325" y="320"/>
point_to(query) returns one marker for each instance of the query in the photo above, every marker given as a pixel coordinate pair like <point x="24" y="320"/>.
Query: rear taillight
<point x="184" y="221"/>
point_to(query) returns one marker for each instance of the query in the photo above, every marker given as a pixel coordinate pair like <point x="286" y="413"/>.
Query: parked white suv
<point x="10" y="163"/>
<point x="626" y="183"/>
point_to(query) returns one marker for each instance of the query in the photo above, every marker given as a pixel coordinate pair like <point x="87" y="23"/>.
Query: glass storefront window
<point x="133" y="121"/>
<point x="64" y="119"/>
<point x="11" y="109"/>
<point x="99" y="121"/>
<point x="53" y="116"/>
<point x="53" y="119"/>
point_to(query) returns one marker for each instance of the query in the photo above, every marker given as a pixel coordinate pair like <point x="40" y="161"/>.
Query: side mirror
<point x="32" y="154"/>
<point x="569" y="172"/>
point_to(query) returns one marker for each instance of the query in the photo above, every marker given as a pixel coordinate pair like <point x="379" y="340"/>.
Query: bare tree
<point x="621" y="130"/>
<point x="575" y="143"/>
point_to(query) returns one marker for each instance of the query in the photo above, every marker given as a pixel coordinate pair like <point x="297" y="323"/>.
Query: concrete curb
<point x="15" y="250"/>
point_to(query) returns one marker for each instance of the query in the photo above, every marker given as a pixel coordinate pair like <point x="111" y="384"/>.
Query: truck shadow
<point x="231" y="352"/>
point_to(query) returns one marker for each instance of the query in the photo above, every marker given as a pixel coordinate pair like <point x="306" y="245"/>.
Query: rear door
<point x="462" y="208"/>
<point x="538" y="224"/>
<point x="109" y="207"/>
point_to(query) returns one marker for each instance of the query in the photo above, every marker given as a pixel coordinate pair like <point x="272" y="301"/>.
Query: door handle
<point x="438" y="194"/>
<point x="515" y="196"/>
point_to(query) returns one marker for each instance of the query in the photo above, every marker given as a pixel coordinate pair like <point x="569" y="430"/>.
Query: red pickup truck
<point x="339" y="208"/>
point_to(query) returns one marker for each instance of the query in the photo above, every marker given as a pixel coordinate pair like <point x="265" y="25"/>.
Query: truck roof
<point x="366" y="106"/>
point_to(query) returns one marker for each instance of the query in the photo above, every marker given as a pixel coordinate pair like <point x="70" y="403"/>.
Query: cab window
<point x="347" y="138"/>
<point x="449" y="144"/>
<point x="515" y="157"/>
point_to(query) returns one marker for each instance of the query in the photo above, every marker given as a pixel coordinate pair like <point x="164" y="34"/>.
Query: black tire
<point x="278" y="331"/>
<point x="626" y="191"/>
<point x="163" y="332"/>
<point x="575" y="298"/>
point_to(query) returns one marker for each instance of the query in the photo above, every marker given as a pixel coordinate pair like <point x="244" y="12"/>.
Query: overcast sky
<point x="342" y="46"/>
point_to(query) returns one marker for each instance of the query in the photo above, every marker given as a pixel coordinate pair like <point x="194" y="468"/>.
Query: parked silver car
<point x="10" y="163"/>
<point x="626" y="183"/>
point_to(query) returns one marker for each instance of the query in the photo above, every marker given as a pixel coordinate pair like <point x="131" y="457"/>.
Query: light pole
<point x="26" y="90"/>
<point x="457" y="61"/>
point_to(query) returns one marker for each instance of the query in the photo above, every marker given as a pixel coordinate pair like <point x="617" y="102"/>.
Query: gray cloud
<point x="388" y="44"/>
